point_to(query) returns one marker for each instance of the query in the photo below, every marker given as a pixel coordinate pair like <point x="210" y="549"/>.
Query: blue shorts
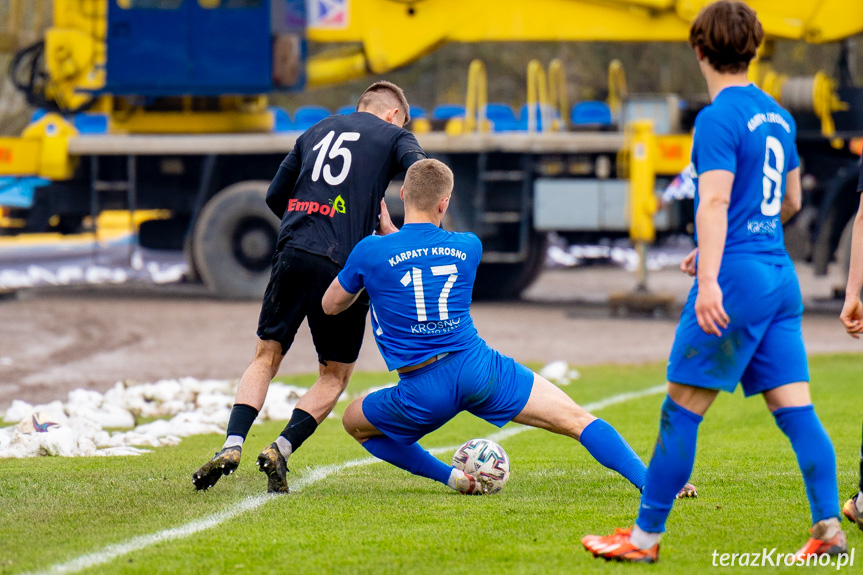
<point x="762" y="348"/>
<point x="479" y="380"/>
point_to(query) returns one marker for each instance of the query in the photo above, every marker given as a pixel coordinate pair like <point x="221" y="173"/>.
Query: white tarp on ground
<point x="183" y="407"/>
<point x="78" y="427"/>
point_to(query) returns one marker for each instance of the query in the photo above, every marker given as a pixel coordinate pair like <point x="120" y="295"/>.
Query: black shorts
<point x="297" y="285"/>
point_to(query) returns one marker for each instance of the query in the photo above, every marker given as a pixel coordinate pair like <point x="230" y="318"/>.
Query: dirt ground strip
<point x="53" y="340"/>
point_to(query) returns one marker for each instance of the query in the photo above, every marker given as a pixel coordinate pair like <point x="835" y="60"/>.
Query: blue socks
<point x="815" y="456"/>
<point x="412" y="458"/>
<point x="674" y="456"/>
<point x="607" y="446"/>
<point x="670" y="466"/>
<point x="601" y="440"/>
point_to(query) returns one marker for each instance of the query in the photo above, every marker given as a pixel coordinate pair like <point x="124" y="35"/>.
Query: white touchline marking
<point x="316" y="474"/>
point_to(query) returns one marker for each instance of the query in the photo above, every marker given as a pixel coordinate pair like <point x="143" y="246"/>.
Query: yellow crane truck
<point x="153" y="133"/>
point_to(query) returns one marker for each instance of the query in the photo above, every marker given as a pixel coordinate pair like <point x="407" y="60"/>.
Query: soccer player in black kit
<point x="329" y="194"/>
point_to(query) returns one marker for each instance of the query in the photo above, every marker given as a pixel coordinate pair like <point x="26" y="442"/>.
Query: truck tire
<point x="496" y="281"/>
<point x="234" y="241"/>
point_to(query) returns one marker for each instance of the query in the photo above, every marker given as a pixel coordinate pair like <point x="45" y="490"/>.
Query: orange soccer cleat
<point x="619" y="547"/>
<point x="835" y="545"/>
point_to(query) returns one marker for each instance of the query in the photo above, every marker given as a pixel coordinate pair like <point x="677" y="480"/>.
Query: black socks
<point x="299" y="428"/>
<point x="242" y="418"/>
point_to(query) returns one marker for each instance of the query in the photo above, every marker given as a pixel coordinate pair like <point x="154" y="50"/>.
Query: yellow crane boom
<point x="394" y="33"/>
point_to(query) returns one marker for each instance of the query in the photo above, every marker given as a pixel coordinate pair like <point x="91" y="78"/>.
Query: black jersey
<point x="328" y="190"/>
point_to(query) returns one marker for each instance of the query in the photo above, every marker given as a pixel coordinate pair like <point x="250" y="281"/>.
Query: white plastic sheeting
<point x="183" y="407"/>
<point x="559" y="372"/>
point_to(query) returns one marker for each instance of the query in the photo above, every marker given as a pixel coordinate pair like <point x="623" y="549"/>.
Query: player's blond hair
<point x="426" y="183"/>
<point x="382" y="96"/>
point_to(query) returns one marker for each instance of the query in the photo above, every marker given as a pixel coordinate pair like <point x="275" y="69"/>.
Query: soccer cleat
<point x="225" y="462"/>
<point x="470" y="485"/>
<point x="689" y="490"/>
<point x="850" y="511"/>
<point x="271" y="462"/>
<point x="836" y="545"/>
<point x="619" y="547"/>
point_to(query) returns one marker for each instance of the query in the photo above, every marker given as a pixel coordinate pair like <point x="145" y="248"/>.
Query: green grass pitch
<point x="374" y="518"/>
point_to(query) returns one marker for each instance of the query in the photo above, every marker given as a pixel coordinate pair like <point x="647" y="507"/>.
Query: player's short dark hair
<point x="426" y="182"/>
<point x="728" y="33"/>
<point x="382" y="96"/>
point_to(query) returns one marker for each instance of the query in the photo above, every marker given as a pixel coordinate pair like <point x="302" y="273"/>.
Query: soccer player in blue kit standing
<point x="742" y="320"/>
<point x="420" y="281"/>
<point x="852" y="318"/>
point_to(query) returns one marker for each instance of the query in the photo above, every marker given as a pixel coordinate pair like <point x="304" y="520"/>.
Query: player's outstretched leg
<point x="408" y="456"/>
<point x="550" y="408"/>
<point x="414" y="459"/>
<point x="853" y="508"/>
<point x="670" y="467"/>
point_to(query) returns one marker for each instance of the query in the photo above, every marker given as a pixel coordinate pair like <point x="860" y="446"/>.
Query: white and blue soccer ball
<point x="483" y="458"/>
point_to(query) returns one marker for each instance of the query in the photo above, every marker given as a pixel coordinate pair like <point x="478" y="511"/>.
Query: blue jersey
<point x="744" y="131"/>
<point x="420" y="282"/>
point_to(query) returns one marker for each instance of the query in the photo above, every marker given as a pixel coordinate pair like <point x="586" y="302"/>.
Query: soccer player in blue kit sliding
<point x="420" y="281"/>
<point x="742" y="321"/>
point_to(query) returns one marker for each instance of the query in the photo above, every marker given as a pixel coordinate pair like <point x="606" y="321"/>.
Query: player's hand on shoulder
<point x="687" y="266"/>
<point x="709" y="311"/>
<point x="852" y="316"/>
<point x="385" y="223"/>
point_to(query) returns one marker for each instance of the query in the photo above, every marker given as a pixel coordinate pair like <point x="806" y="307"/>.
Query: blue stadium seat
<point x="91" y="123"/>
<point x="281" y="120"/>
<point x="307" y="116"/>
<point x="418" y="112"/>
<point x="448" y="111"/>
<point x="502" y="118"/>
<point x="591" y="112"/>
<point x="346" y="110"/>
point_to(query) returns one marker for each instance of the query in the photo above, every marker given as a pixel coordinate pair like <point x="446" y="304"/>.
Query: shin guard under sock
<point x="609" y="448"/>
<point x="670" y="466"/>
<point x="241" y="420"/>
<point x="301" y="426"/>
<point x="815" y="456"/>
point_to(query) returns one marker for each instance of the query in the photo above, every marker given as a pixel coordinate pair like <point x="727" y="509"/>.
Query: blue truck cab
<point x="204" y="47"/>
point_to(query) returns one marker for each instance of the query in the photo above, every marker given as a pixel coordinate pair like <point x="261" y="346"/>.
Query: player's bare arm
<point x="711" y="221"/>
<point x="337" y="299"/>
<point x="852" y="310"/>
